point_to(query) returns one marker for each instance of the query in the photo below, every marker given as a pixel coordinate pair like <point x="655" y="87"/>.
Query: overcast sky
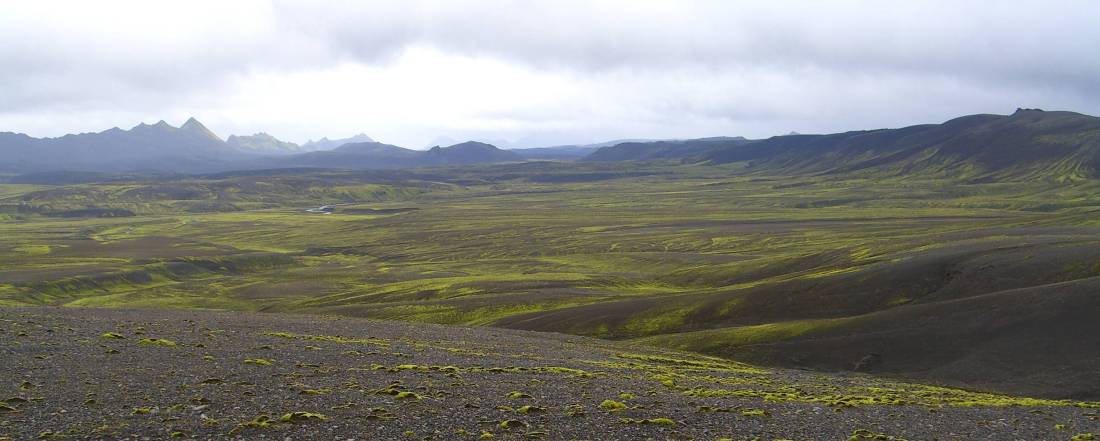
<point x="539" y="73"/>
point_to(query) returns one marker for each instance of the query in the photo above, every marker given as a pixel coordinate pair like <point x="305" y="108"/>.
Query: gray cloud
<point x="1045" y="42"/>
<point x="676" y="68"/>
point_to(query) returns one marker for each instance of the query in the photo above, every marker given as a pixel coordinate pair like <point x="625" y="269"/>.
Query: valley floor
<point x="984" y="285"/>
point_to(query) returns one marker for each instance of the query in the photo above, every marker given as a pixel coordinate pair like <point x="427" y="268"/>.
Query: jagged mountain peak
<point x="161" y="125"/>
<point x="257" y="135"/>
<point x="193" y="125"/>
<point x="263" y="143"/>
<point x="330" y="144"/>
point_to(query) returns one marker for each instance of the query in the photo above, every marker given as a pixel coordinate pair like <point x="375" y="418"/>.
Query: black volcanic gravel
<point x="63" y="378"/>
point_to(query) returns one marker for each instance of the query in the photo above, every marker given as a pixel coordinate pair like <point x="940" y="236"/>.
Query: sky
<point x="531" y="73"/>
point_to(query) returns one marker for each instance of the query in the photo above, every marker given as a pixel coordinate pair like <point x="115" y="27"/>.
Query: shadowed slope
<point x="1038" y="340"/>
<point x="1026" y="144"/>
<point x="1029" y="144"/>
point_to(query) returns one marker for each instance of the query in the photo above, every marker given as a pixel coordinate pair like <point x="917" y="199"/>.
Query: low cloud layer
<point x="540" y="72"/>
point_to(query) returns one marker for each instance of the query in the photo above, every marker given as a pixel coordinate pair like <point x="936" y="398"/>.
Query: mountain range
<point x="189" y="147"/>
<point x="329" y="144"/>
<point x="667" y="149"/>
<point x="376" y="155"/>
<point x="193" y="148"/>
<point x="1027" y="144"/>
<point x="571" y="151"/>
<point x="263" y="143"/>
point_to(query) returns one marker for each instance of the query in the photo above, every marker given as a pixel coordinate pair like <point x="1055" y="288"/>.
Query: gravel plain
<point x="153" y="374"/>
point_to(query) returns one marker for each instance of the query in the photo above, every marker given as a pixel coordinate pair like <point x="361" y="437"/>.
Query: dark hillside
<point x="470" y="152"/>
<point x="1029" y="144"/>
<point x="1039" y="340"/>
<point x="657" y="150"/>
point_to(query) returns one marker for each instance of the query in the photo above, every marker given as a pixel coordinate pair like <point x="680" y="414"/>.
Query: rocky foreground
<point x="126" y="374"/>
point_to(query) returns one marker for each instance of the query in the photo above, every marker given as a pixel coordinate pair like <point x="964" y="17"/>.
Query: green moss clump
<point x="380" y="413"/>
<point x="864" y="434"/>
<point x="406" y="395"/>
<point x="754" y="412"/>
<point x="259" y="361"/>
<point x="393" y="388"/>
<point x="302" y="417"/>
<point x="612" y="405"/>
<point x="657" y="421"/>
<point x="328" y="338"/>
<point x="524" y="410"/>
<point x="260" y="422"/>
<point x="1083" y="437"/>
<point x="157" y="342"/>
<point x="111" y="335"/>
<point x="701" y="362"/>
<point x="517" y="395"/>
<point x="894" y="395"/>
<point x="512" y="424"/>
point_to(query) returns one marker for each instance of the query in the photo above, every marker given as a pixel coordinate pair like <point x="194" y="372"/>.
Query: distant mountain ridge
<point x="470" y="152"/>
<point x="330" y="144"/>
<point x="672" y="149"/>
<point x="193" y="148"/>
<point x="1027" y="144"/>
<point x="376" y="155"/>
<point x="263" y="143"/>
<point x="569" y="151"/>
<point x="189" y="147"/>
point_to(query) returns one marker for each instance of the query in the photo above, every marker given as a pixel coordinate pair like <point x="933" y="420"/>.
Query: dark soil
<point x="88" y="374"/>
